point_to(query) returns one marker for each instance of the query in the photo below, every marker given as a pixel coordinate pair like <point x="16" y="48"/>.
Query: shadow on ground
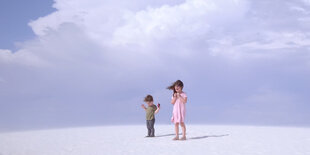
<point x="199" y="137"/>
<point x="208" y="136"/>
<point x="166" y="135"/>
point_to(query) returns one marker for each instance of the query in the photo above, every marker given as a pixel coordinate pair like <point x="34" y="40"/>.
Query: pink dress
<point x="178" y="114"/>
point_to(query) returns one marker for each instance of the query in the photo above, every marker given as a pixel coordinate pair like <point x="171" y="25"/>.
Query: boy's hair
<point x="176" y="83"/>
<point x="148" y="98"/>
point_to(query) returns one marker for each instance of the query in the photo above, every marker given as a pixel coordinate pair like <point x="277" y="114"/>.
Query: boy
<point x="151" y="110"/>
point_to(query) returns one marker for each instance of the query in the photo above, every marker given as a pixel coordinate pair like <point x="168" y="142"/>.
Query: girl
<point x="179" y="98"/>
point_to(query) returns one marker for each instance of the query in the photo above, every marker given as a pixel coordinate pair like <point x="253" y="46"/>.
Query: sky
<point x="91" y="62"/>
<point x="15" y="16"/>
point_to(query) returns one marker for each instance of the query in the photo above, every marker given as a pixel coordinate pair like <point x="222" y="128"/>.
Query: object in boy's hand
<point x="158" y="105"/>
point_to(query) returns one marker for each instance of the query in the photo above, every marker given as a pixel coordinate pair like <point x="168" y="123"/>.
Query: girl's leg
<point x="183" y="130"/>
<point x="176" y="127"/>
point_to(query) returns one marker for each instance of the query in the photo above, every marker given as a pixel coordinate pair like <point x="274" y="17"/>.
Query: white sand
<point x="202" y="139"/>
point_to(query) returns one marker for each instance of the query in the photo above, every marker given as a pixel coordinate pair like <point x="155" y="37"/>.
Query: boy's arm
<point x="157" y="110"/>
<point x="143" y="106"/>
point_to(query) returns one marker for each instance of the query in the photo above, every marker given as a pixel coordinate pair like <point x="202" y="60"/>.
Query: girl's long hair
<point x="176" y="83"/>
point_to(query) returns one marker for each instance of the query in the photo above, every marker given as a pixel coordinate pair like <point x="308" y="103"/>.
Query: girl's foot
<point x="183" y="138"/>
<point x="176" y="138"/>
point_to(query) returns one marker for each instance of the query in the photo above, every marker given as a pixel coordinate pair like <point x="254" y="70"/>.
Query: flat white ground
<point x="202" y="139"/>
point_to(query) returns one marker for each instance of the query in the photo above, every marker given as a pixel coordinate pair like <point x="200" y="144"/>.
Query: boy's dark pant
<point x="150" y="127"/>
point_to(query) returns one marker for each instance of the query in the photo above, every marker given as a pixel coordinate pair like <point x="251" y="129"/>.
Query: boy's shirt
<point x="150" y="110"/>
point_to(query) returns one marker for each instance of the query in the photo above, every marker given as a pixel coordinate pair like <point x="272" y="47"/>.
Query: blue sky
<point x="15" y="16"/>
<point x="92" y="62"/>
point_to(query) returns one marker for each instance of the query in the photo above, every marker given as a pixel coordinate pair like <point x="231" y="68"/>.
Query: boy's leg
<point x="148" y="128"/>
<point x="152" y="122"/>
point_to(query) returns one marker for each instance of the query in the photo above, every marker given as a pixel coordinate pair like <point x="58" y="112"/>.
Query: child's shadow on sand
<point x="165" y="135"/>
<point x="207" y="136"/>
<point x="199" y="137"/>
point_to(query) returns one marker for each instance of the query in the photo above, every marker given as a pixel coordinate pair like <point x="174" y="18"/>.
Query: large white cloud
<point x="94" y="57"/>
<point x="188" y="20"/>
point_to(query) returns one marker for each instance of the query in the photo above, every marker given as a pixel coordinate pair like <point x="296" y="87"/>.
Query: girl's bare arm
<point x="174" y="98"/>
<point x="183" y="99"/>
